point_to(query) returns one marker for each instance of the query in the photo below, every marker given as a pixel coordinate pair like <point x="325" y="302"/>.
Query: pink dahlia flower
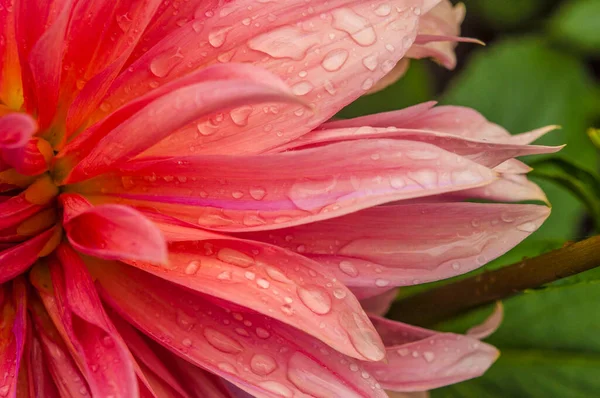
<point x="179" y="219"/>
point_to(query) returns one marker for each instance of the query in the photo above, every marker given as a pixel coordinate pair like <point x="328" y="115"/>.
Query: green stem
<point x="444" y="302"/>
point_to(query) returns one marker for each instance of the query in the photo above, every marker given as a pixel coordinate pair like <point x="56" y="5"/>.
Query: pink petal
<point x="17" y="259"/>
<point x="311" y="52"/>
<point x="32" y="159"/>
<point x="392" y="77"/>
<point x="17" y="209"/>
<point x="421" y="359"/>
<point x="40" y="380"/>
<point x="263" y="278"/>
<point x="13" y="304"/>
<point x="116" y="232"/>
<point x="70" y="297"/>
<point x="513" y="166"/>
<point x="482" y="151"/>
<point x="380" y="303"/>
<point x="490" y="325"/>
<point x="280" y="190"/>
<point x="16" y="129"/>
<point x="396" y="118"/>
<point x="224" y="339"/>
<point x="402" y="245"/>
<point x="443" y="20"/>
<point x="509" y="188"/>
<point x="141" y="124"/>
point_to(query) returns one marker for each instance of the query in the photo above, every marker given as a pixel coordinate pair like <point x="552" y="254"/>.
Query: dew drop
<point x="527" y="227"/>
<point x="235" y="257"/>
<point x="339" y="294"/>
<point x="225" y="367"/>
<point x="383" y="10"/>
<point x="302" y="88"/>
<point x="263" y="283"/>
<point x="284" y="42"/>
<point x="314" y="380"/>
<point x="277" y="275"/>
<point x="263" y="333"/>
<point x="186" y="342"/>
<point x="262" y="365"/>
<point x="334" y="60"/>
<point x="348" y="268"/>
<point x="381" y="282"/>
<point x="359" y="28"/>
<point x="362" y="336"/>
<point x="192" y="267"/>
<point x="240" y="115"/>
<point x="370" y="62"/>
<point x="216" y="38"/>
<point x="164" y="63"/>
<point x="316" y="299"/>
<point x="221" y="342"/>
<point x="429" y="356"/>
<point x="257" y="193"/>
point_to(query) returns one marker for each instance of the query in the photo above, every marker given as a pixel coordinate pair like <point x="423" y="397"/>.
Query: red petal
<point x="225" y="339"/>
<point x="32" y="159"/>
<point x="19" y="258"/>
<point x="279" y="190"/>
<point x="70" y="297"/>
<point x="402" y="245"/>
<point x="13" y="304"/>
<point x="115" y="232"/>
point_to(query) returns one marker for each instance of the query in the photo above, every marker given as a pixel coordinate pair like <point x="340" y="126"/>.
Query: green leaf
<point x="414" y="87"/>
<point x="505" y="13"/>
<point x="584" y="184"/>
<point x="577" y="24"/>
<point x="522" y="84"/>
<point x="548" y="342"/>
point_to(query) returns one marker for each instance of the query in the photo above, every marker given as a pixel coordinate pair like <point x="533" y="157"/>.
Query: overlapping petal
<point x="225" y="339"/>
<point x="280" y="190"/>
<point x="398" y="245"/>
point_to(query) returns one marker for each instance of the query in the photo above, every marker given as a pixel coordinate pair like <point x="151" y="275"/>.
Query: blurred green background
<point x="541" y="66"/>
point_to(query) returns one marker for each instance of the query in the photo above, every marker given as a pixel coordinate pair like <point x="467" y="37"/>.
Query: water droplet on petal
<point x="192" y="267"/>
<point x="262" y="365"/>
<point x="359" y="28"/>
<point x="302" y="88"/>
<point x="315" y="380"/>
<point x="240" y="115"/>
<point x="165" y="62"/>
<point x="370" y="62"/>
<point x="277" y="275"/>
<point x="383" y="10"/>
<point x="235" y="257"/>
<point x="429" y="356"/>
<point x="527" y="227"/>
<point x="381" y="282"/>
<point x="363" y="337"/>
<point x="186" y="342"/>
<point x="316" y="299"/>
<point x="348" y="268"/>
<point x="216" y="38"/>
<point x="221" y="342"/>
<point x="334" y="60"/>
<point x="263" y="333"/>
<point x="257" y="193"/>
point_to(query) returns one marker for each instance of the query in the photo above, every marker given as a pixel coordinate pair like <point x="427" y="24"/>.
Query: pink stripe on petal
<point x="422" y="359"/>
<point x="16" y="129"/>
<point x="225" y="339"/>
<point x="279" y="190"/>
<point x="264" y="278"/>
<point x="399" y="245"/>
<point x="310" y="49"/>
<point x="116" y="232"/>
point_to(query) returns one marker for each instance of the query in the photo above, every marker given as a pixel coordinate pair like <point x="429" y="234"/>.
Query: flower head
<point x="180" y="219"/>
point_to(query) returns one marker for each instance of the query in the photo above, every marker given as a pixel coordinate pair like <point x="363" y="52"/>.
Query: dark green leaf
<point x="577" y="23"/>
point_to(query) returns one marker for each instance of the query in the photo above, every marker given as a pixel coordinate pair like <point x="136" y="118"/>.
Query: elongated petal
<point x="16" y="129"/>
<point x="490" y="325"/>
<point x="17" y="259"/>
<point x="421" y="359"/>
<point x="328" y="52"/>
<point x="41" y="382"/>
<point x="66" y="376"/>
<point x="398" y="118"/>
<point x="482" y="151"/>
<point x="98" y="48"/>
<point x="444" y="21"/>
<point x="276" y="283"/>
<point x="508" y="188"/>
<point x="402" y="245"/>
<point x="11" y="92"/>
<point x="116" y="232"/>
<point x="32" y="159"/>
<point x="145" y="354"/>
<point x="69" y="295"/>
<point x="155" y="117"/>
<point x="279" y="190"/>
<point x="204" y="333"/>
<point x="12" y="335"/>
